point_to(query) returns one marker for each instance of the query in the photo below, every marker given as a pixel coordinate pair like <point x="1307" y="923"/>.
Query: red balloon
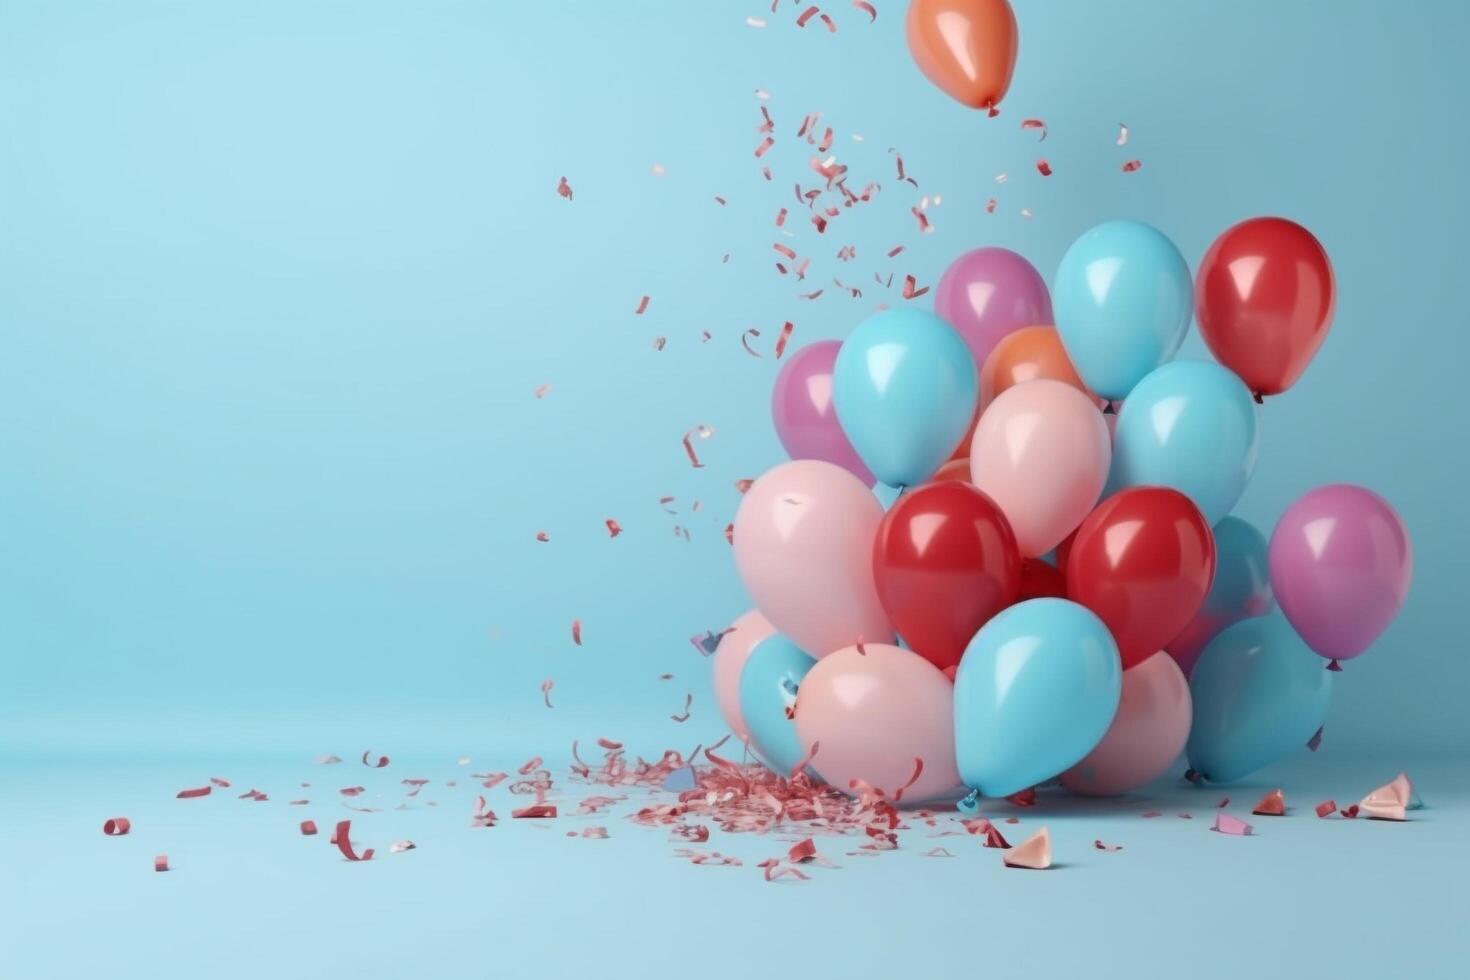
<point x="945" y="560"/>
<point x="1041" y="580"/>
<point x="1143" y="561"/>
<point x="1264" y="299"/>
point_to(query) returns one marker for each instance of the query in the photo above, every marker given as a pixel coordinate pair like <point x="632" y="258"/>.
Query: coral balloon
<point x="872" y="713"/>
<point x="1026" y="355"/>
<point x="945" y="561"/>
<point x="804" y="413"/>
<point x="1242" y="589"/>
<point x="1143" y="561"/>
<point x="1041" y="452"/>
<point x="730" y="657"/>
<point x="1264" y="299"/>
<point x="986" y="294"/>
<point x="965" y="47"/>
<point x="1146" y="736"/>
<point x="1341" y="562"/>
<point x="804" y="549"/>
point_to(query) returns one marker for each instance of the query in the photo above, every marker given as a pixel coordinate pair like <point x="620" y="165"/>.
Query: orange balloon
<point x="966" y="47"/>
<point x="1025" y="355"/>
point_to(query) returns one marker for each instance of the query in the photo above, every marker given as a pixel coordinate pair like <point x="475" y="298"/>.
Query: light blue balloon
<point x="1190" y="425"/>
<point x="1241" y="589"/>
<point x="768" y="683"/>
<point x="1259" y="693"/>
<point x="905" y="388"/>
<point x="1122" y="300"/>
<point x="1036" y="690"/>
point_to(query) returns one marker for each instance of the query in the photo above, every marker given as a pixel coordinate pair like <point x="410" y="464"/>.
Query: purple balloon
<point x="988" y="293"/>
<point x="1340" y="561"/>
<point x="802" y="408"/>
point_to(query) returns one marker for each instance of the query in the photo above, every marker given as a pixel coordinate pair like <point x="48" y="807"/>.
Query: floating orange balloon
<point x="966" y="47"/>
<point x="1026" y="355"/>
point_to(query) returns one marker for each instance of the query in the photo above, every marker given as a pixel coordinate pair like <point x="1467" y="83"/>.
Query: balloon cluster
<point x="1058" y="588"/>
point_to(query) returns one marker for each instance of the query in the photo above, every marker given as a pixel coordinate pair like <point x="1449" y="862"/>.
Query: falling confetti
<point x="786" y="329"/>
<point x="642" y="306"/>
<point x="699" y="431"/>
<point x="382" y="761"/>
<point x="542" y="391"/>
<point x="117" y="826"/>
<point x="160" y="863"/>
<point x="341" y="838"/>
<point x="546" y="687"/>
<point x="684" y="716"/>
<point x="577" y="632"/>
<point x="308" y="828"/>
<point x="866" y="8"/>
<point x="564" y="189"/>
<point x="613" y="527"/>
<point x="1044" y="168"/>
<point x="1122" y="135"/>
<point x="193" y="794"/>
<point x="1035" y="124"/>
<point x="1131" y="166"/>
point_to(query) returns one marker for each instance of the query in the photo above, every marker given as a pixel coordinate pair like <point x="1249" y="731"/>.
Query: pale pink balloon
<point x="804" y="549"/>
<point x="872" y="713"/>
<point x="730" y="657"/>
<point x="1147" y="734"/>
<point x="1041" y="451"/>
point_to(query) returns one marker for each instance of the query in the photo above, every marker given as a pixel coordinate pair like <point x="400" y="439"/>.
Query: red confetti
<point x="895" y="250"/>
<point x="812" y="295"/>
<point x="341" y="838"/>
<point x="909" y="292"/>
<point x="534" y="812"/>
<point x="786" y="329"/>
<point x="382" y="761"/>
<point x="1110" y="848"/>
<point x="807" y="15"/>
<point x="1351" y="812"/>
<point x="760" y="151"/>
<point x="642" y="306"/>
<point x="255" y="795"/>
<point x="1326" y="808"/>
<point x="546" y="686"/>
<point x="1027" y="797"/>
<point x="924" y="225"/>
<point x="530" y="765"/>
<point x="802" y="852"/>
<point x="1035" y="124"/>
<point x="990" y="206"/>
<point x="577" y="632"/>
<point x="564" y="189"/>
<point x="703" y="432"/>
<point x="160" y="863"/>
<point x="1131" y="166"/>
<point x="483" y="816"/>
<point x="688" y="700"/>
<point x="193" y="794"/>
<point x="543" y="537"/>
<point x="215" y="780"/>
<point x="613" y="527"/>
<point x="780" y="217"/>
<point x="918" y="771"/>
<point x="117" y="826"/>
<point x="308" y="828"/>
<point x="1273" y="804"/>
<point x="866" y="8"/>
<point x="1043" y="167"/>
<point x="352" y="790"/>
<point x="1151" y="814"/>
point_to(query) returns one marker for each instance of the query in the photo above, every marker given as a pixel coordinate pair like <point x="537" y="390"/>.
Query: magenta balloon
<point x="1340" y="562"/>
<point x="802" y="408"/>
<point x="989" y="292"/>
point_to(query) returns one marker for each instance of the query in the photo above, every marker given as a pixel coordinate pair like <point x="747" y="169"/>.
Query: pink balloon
<point x="989" y="292"/>
<point x="804" y="549"/>
<point x="730" y="657"/>
<point x="1147" y="734"/>
<point x="873" y="713"/>
<point x="802" y="408"/>
<point x="1041" y="451"/>
<point x="1341" y="562"/>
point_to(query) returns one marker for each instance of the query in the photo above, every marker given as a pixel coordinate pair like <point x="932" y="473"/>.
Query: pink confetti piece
<point x="1122" y="135"/>
<point x="543" y="537"/>
<point x="613" y="527"/>
<point x="803" y="851"/>
<point x="216" y="781"/>
<point x="255" y="796"/>
<point x="811" y="295"/>
<point x="546" y="687"/>
<point x="867" y="8"/>
<point x="909" y="292"/>
<point x="193" y="794"/>
<point x="1273" y="804"/>
<point x="774" y="871"/>
<point x="382" y="761"/>
<point x="564" y="189"/>
<point x="577" y="632"/>
<point x="786" y="329"/>
<point x="924" y="224"/>
<point x="701" y="432"/>
<point x="1326" y="808"/>
<point x="780" y="217"/>
<point x="483" y="815"/>
<point x="1035" y="124"/>
<point x="1033" y="853"/>
<point x="1130" y="166"/>
<point x="990" y="206"/>
<point x="684" y="716"/>
<point x="532" y="764"/>
<point x="308" y="828"/>
<point x="642" y="306"/>
<point x="760" y="151"/>
<point x="1234" y="826"/>
<point x="1043" y="167"/>
<point x="160" y="863"/>
<point x="117" y="826"/>
<point x="341" y="837"/>
<point x="535" y="812"/>
<point x="542" y="391"/>
<point x="352" y="790"/>
<point x="327" y="760"/>
<point x="1110" y="848"/>
<point x="895" y="250"/>
<point x="918" y="771"/>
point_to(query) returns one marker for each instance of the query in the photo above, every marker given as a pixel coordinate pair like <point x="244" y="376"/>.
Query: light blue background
<point x="278" y="279"/>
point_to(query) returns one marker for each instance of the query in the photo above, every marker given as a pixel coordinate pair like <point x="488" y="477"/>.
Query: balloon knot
<point x="970" y="803"/>
<point x="1334" y="665"/>
<point x="1194" y="777"/>
<point x="1108" y="409"/>
<point x="1257" y="396"/>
